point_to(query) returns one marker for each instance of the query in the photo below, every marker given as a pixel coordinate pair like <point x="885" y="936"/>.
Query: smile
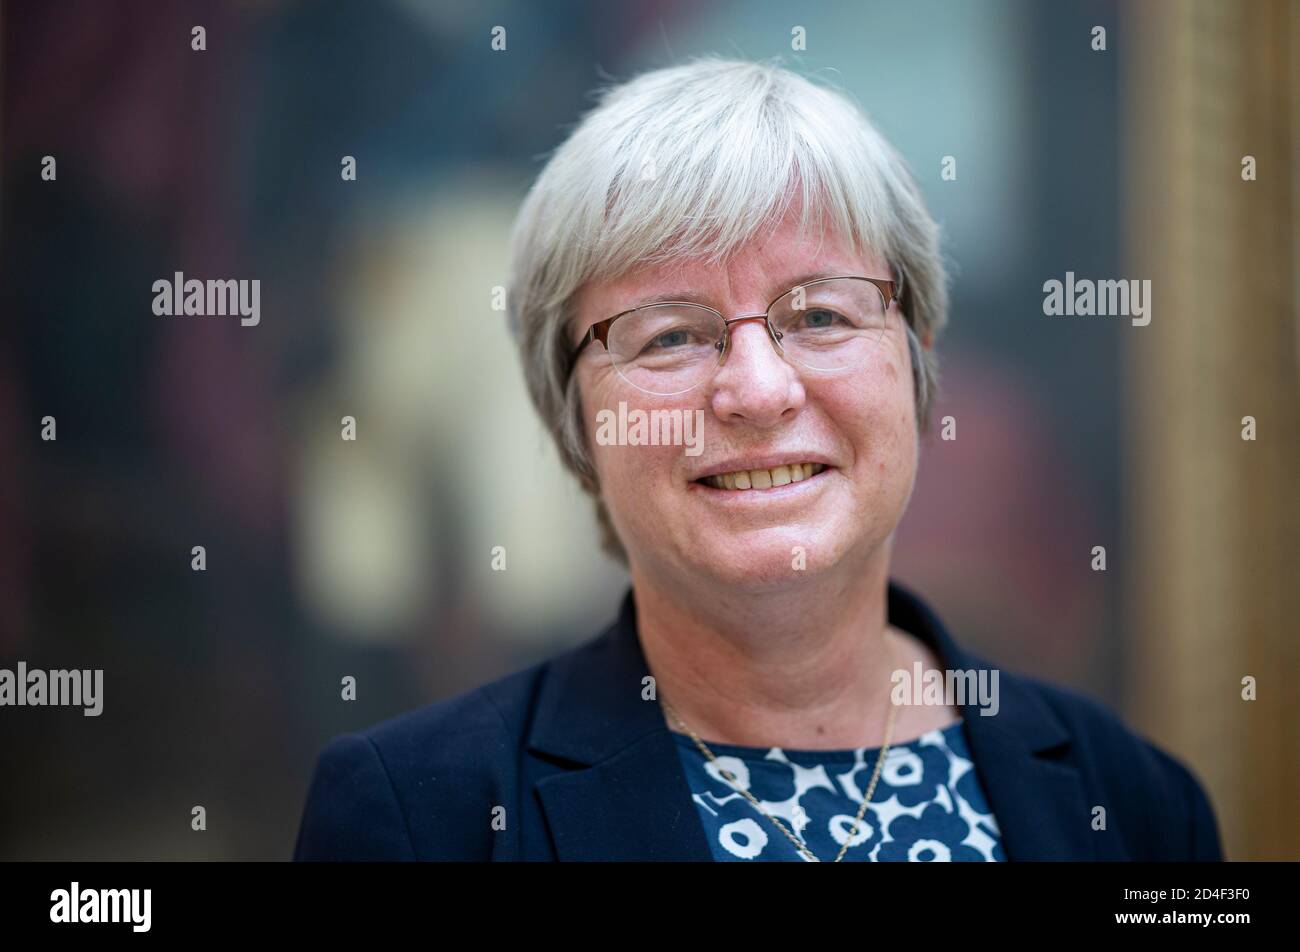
<point x="751" y="479"/>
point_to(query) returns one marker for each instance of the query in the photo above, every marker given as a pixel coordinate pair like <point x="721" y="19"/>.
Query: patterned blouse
<point x="927" y="807"/>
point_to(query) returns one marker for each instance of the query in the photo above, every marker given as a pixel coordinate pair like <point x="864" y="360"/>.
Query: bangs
<point x="695" y="171"/>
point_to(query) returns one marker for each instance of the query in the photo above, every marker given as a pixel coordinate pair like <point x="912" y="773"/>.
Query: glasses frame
<point x="891" y="290"/>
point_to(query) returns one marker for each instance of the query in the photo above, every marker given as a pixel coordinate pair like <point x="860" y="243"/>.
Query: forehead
<point x="749" y="278"/>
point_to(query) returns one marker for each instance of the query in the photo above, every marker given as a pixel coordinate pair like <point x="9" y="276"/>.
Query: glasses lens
<point x="831" y="324"/>
<point x="666" y="348"/>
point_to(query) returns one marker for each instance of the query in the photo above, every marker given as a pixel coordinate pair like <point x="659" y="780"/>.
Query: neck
<point x="807" y="665"/>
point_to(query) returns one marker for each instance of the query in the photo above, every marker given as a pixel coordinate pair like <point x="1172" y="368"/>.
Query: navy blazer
<point x="587" y="770"/>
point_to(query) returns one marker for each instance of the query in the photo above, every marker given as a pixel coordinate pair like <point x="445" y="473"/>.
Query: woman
<point x="728" y="244"/>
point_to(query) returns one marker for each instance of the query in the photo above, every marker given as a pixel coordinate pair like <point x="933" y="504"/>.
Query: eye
<point x="671" y="342"/>
<point x="821" y="317"/>
<point x="669" y="339"/>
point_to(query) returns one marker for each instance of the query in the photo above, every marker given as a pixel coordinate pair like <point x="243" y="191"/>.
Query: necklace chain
<point x="798" y="845"/>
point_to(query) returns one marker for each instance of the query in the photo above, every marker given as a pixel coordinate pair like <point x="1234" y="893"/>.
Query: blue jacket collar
<point x="625" y="795"/>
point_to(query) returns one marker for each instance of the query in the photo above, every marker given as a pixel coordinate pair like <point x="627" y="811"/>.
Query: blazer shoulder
<point x="414" y="786"/>
<point x="352" y="811"/>
<point x="1157" y="792"/>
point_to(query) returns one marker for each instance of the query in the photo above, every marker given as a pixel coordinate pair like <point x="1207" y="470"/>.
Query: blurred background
<point x="372" y="558"/>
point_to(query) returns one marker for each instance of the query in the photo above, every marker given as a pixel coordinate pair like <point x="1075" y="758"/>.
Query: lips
<point x="769" y="477"/>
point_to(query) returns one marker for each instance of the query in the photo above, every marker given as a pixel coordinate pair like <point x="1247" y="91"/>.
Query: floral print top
<point x="928" y="805"/>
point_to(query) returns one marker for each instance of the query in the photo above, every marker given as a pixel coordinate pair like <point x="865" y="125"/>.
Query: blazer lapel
<point x="1038" y="803"/>
<point x="634" y="806"/>
<point x="628" y="799"/>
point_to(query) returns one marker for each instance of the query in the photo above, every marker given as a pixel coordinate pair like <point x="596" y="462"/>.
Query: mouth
<point x="750" y="480"/>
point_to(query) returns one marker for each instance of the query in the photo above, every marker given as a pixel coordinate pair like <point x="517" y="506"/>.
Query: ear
<point x="927" y="340"/>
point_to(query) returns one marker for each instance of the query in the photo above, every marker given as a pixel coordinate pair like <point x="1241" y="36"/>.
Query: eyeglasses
<point x="670" y="347"/>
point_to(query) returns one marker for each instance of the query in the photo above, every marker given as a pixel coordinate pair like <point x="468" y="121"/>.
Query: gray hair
<point x="689" y="163"/>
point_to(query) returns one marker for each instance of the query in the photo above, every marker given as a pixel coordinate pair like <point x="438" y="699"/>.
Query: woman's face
<point x="758" y="410"/>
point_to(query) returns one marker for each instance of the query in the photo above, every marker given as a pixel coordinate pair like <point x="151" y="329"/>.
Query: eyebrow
<point x="694" y="297"/>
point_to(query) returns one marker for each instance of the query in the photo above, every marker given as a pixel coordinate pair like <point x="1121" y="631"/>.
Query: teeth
<point x="765" y="478"/>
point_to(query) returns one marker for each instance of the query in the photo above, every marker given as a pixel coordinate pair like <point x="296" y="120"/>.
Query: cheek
<point x="898" y="405"/>
<point x="637" y="484"/>
<point x="877" y="416"/>
<point x="633" y="478"/>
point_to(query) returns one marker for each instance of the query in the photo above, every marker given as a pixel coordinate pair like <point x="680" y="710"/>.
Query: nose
<point x="755" y="383"/>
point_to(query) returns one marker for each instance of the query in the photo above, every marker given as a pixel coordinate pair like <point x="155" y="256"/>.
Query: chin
<point x="769" y="559"/>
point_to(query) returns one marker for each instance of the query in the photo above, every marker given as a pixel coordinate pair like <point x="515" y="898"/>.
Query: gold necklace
<point x="803" y="850"/>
